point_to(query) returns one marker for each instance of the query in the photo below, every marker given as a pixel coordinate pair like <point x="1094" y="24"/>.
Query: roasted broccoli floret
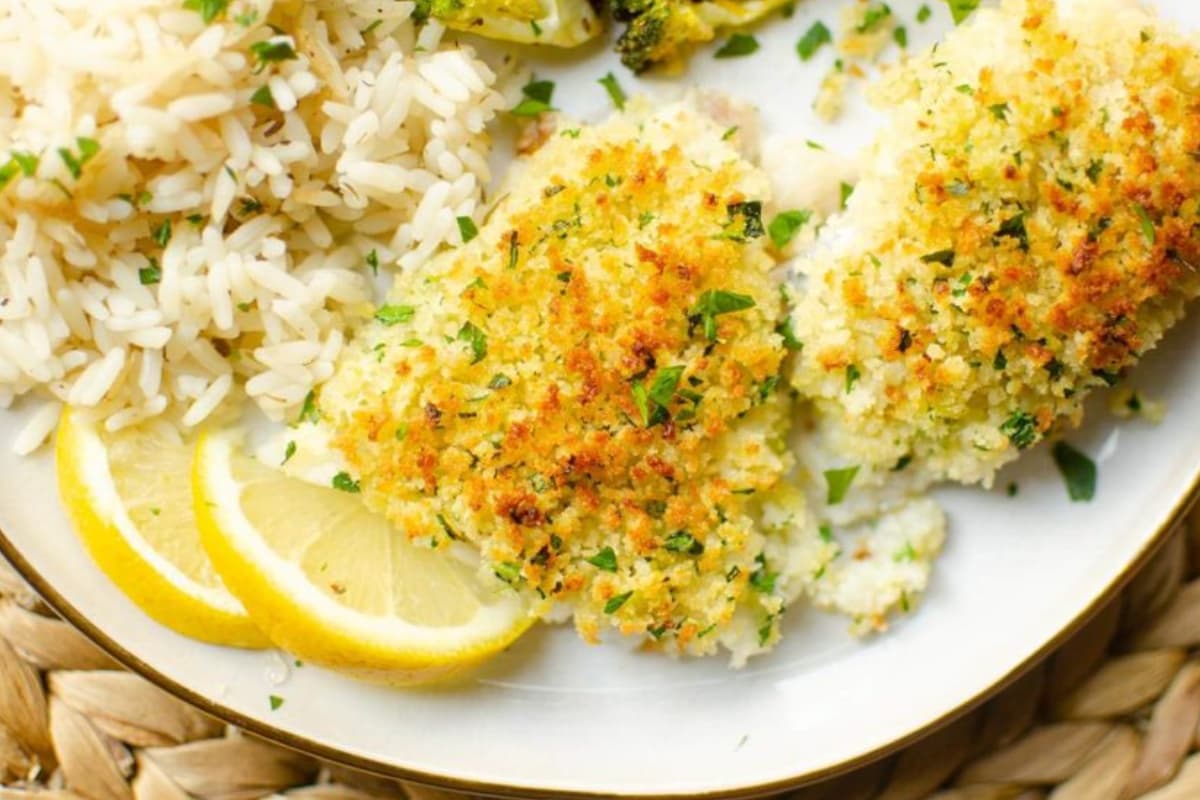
<point x="564" y="23"/>
<point x="660" y="32"/>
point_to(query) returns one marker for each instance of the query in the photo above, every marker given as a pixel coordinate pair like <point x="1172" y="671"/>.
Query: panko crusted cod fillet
<point x="588" y="391"/>
<point x="1025" y="231"/>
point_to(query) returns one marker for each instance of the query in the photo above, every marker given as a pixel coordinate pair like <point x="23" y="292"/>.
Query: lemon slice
<point x="129" y="498"/>
<point x="335" y="584"/>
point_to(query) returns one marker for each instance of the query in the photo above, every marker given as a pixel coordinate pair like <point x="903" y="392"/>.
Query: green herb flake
<point x="88" y="148"/>
<point x="150" y="274"/>
<point x="372" y="260"/>
<point x="1148" y="232"/>
<point x="837" y="483"/>
<point x="272" y="51"/>
<point x="209" y="9"/>
<point x="729" y="133"/>
<point x="1078" y="471"/>
<point x="790" y="342"/>
<point x="614" y="603"/>
<point x="508" y="571"/>
<point x="343" y="482"/>
<point x="514" y="249"/>
<point x="615" y="92"/>
<point x="905" y="554"/>
<point x="1000" y="111"/>
<point x="665" y="383"/>
<point x="739" y="44"/>
<point x="276" y="701"/>
<point x="162" y="233"/>
<point x="605" y="560"/>
<point x="262" y="97"/>
<point x="762" y="579"/>
<point x="900" y="36"/>
<point x="288" y="452"/>
<point x="308" y="411"/>
<point x="530" y="108"/>
<point x="852" y="376"/>
<point x="476" y="339"/>
<point x="961" y="9"/>
<point x="401" y="432"/>
<point x="812" y="40"/>
<point x="786" y="225"/>
<point x="542" y="91"/>
<point x="390" y="315"/>
<point x="847" y="190"/>
<point x="715" y="302"/>
<point x="825" y="531"/>
<point x="571" y="133"/>
<point x="641" y="401"/>
<point x="750" y="212"/>
<point x="1014" y="228"/>
<point x="1021" y="428"/>
<point x="924" y="13"/>
<point x="875" y="14"/>
<point x="500" y="381"/>
<point x="683" y="542"/>
<point x="1012" y="489"/>
<point x="28" y="162"/>
<point x="467" y="229"/>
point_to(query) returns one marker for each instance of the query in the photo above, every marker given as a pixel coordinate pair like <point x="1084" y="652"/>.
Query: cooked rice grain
<point x="181" y="216"/>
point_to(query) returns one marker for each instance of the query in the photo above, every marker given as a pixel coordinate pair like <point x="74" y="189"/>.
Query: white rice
<point x="376" y="145"/>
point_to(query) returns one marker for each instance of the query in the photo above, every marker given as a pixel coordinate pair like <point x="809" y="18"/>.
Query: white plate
<point x="555" y="716"/>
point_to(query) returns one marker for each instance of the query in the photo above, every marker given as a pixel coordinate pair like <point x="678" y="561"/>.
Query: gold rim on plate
<point x="301" y="744"/>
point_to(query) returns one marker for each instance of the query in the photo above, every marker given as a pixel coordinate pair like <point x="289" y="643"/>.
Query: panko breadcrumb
<point x="588" y="390"/>
<point x="1026" y="229"/>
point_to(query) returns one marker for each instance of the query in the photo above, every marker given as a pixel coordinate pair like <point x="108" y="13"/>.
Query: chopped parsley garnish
<point x="1000" y="362"/>
<point x="477" y="340"/>
<point x="786" y="225"/>
<point x="924" y="13"/>
<point x="28" y="162"/>
<point x="715" y="302"/>
<point x="825" y="531"/>
<point x="739" y="44"/>
<point x="902" y="462"/>
<point x="391" y="315"/>
<point x="514" y="249"/>
<point x="1078" y="471"/>
<point x="209" y="9"/>
<point x="1012" y="489"/>
<point x="1094" y="170"/>
<point x="401" y="431"/>
<point x="762" y="579"/>
<point x="846" y="191"/>
<point x="530" y="108"/>
<point x="852" y="376"/>
<point x="276" y="701"/>
<point x="665" y="383"/>
<point x="615" y="92"/>
<point x="88" y="148"/>
<point x="308" y="411"/>
<point x="900" y="36"/>
<point x="162" y="233"/>
<point x="1014" y="228"/>
<point x="539" y="90"/>
<point x="500" y="381"/>
<point x="262" y="97"/>
<point x="818" y="34"/>
<point x="875" y="14"/>
<point x="683" y="542"/>
<point x="467" y="229"/>
<point x="729" y="133"/>
<point x="1000" y="111"/>
<point x="1148" y="232"/>
<point x="943" y="257"/>
<point x="343" y="482"/>
<point x="150" y="274"/>
<point x="508" y="571"/>
<point x="906" y="553"/>
<point x="614" y="603"/>
<point x="750" y="211"/>
<point x="373" y="261"/>
<point x="790" y="341"/>
<point x="271" y="51"/>
<point x="1021" y="429"/>
<point x="837" y="483"/>
<point x="605" y="560"/>
<point x="961" y="9"/>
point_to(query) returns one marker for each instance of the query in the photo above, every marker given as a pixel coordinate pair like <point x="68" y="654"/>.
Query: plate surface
<point x="558" y="717"/>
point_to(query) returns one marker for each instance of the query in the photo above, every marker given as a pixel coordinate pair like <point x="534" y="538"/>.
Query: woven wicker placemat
<point x="1113" y="714"/>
